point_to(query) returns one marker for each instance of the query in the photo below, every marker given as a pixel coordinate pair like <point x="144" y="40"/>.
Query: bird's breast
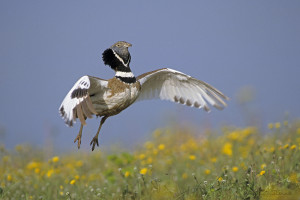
<point x="118" y="97"/>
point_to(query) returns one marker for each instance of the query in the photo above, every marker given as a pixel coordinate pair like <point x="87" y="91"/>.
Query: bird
<point x="105" y="98"/>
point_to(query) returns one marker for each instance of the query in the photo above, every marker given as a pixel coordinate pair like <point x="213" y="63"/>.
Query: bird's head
<point x="117" y="56"/>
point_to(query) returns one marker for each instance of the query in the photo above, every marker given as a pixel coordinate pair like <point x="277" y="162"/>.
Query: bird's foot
<point x="94" y="142"/>
<point x="78" y="138"/>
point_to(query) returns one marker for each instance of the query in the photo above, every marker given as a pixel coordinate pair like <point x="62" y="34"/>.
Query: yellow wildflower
<point x="220" y="179"/>
<point x="213" y="159"/>
<point x="55" y="159"/>
<point x="73" y="181"/>
<point x="184" y="175"/>
<point x="79" y="163"/>
<point x="272" y="149"/>
<point x="234" y="135"/>
<point x="277" y="125"/>
<point x="142" y="156"/>
<point x="77" y="177"/>
<point x="263" y="166"/>
<point x="293" y="178"/>
<point x="286" y="146"/>
<point x="143" y="171"/>
<point x="235" y="169"/>
<point x="149" y="160"/>
<point x="191" y="144"/>
<point x="61" y="193"/>
<point x="32" y="165"/>
<point x="293" y="147"/>
<point x="61" y="187"/>
<point x="161" y="147"/>
<point x="192" y="157"/>
<point x="227" y="149"/>
<point x="19" y="148"/>
<point x="207" y="171"/>
<point x="9" y="177"/>
<point x="243" y="165"/>
<point x="37" y="170"/>
<point x="270" y="126"/>
<point x="247" y="131"/>
<point x="127" y="173"/>
<point x="50" y="172"/>
<point x="262" y="172"/>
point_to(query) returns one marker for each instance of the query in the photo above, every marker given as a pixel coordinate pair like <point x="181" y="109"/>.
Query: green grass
<point x="177" y="163"/>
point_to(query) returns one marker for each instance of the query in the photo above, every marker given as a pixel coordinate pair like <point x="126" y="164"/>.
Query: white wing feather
<point x="77" y="103"/>
<point x="172" y="85"/>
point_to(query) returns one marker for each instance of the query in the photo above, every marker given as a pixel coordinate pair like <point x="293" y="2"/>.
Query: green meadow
<point x="175" y="163"/>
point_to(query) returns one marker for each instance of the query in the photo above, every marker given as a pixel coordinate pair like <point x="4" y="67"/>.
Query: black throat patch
<point x="109" y="58"/>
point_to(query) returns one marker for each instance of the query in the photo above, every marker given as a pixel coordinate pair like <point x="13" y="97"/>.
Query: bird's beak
<point x="128" y="45"/>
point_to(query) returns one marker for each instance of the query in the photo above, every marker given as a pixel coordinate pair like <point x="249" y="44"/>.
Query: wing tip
<point x="196" y="104"/>
<point x="64" y="116"/>
<point x="217" y="106"/>
<point x="61" y="110"/>
<point x="189" y="103"/>
<point x="206" y="108"/>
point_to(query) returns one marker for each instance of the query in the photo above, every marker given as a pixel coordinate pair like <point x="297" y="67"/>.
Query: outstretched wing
<point x="172" y="85"/>
<point x="77" y="103"/>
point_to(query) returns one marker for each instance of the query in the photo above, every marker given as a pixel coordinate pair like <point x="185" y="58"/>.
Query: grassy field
<point x="176" y="163"/>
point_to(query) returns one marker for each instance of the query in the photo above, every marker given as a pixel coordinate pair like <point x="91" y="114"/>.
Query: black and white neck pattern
<point x="127" y="77"/>
<point x="120" y="65"/>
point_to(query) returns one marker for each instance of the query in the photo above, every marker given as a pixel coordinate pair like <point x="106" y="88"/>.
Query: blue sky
<point x="46" y="46"/>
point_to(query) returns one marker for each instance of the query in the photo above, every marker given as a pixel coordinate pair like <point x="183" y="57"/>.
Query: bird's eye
<point x="118" y="45"/>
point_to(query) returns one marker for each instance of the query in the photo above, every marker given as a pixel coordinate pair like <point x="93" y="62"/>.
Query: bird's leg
<point x="79" y="136"/>
<point x="95" y="139"/>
